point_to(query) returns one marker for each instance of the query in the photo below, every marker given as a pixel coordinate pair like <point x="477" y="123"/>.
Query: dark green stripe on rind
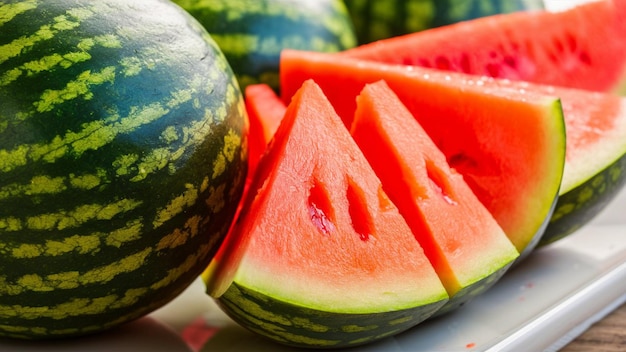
<point x="580" y="205"/>
<point x="299" y="326"/>
<point x="251" y="33"/>
<point x="121" y="161"/>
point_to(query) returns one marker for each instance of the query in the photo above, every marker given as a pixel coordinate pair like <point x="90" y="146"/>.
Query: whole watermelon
<point x="252" y="33"/>
<point x="375" y="19"/>
<point x="121" y="161"/>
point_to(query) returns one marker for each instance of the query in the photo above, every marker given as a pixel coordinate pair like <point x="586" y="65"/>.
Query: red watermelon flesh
<point x="582" y="47"/>
<point x="459" y="235"/>
<point x="317" y="229"/>
<point x="508" y="144"/>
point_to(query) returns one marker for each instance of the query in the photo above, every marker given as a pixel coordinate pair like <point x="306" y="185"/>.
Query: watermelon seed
<point x="510" y="61"/>
<point x="462" y="162"/>
<point x="571" y="42"/>
<point x="438" y="182"/>
<point x="421" y="62"/>
<point x="465" y="63"/>
<point x="442" y="63"/>
<point x="584" y="58"/>
<point x="384" y="203"/>
<point x="493" y="70"/>
<point x="560" y="48"/>
<point x="320" y="208"/>
<point x="359" y="214"/>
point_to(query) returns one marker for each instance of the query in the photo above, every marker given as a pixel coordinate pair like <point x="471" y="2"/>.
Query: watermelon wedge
<point x="469" y="250"/>
<point x="320" y="256"/>
<point x="265" y="111"/>
<point x="508" y="144"/>
<point x="582" y="47"/>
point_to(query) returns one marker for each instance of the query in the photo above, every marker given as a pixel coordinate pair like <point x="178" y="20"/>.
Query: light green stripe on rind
<point x="80" y="306"/>
<point x="68" y="219"/>
<point x="232" y="141"/>
<point x="44" y="184"/>
<point x="88" y="244"/>
<point x="580" y="205"/>
<point x="81" y="87"/>
<point x="98" y="133"/>
<point x="66" y="60"/>
<point x="73" y="279"/>
<point x="45" y="32"/>
<point x="10" y="11"/>
<point x="73" y="307"/>
<point x="93" y="136"/>
<point x="177" y="205"/>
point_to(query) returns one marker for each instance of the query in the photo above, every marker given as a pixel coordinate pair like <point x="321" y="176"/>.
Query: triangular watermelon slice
<point x="467" y="247"/>
<point x="508" y="144"/>
<point x="581" y="47"/>
<point x="265" y="111"/>
<point x="326" y="258"/>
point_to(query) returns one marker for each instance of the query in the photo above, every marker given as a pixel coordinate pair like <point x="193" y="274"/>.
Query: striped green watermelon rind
<point x="121" y="161"/>
<point x="300" y="326"/>
<point x="580" y="205"/>
<point x="374" y="20"/>
<point x="251" y="33"/>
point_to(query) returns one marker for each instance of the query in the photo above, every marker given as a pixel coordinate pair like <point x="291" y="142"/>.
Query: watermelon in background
<point x="122" y="161"/>
<point x="251" y="33"/>
<point x="375" y="19"/>
<point x="581" y="47"/>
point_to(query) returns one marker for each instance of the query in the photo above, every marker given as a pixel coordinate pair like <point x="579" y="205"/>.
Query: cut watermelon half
<point x="320" y="256"/>
<point x="508" y="144"/>
<point x="465" y="244"/>
<point x="582" y="47"/>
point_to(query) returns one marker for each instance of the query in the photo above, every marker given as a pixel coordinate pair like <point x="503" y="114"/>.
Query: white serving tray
<point x="541" y="305"/>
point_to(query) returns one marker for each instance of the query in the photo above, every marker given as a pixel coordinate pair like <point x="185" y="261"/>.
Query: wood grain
<point x="607" y="335"/>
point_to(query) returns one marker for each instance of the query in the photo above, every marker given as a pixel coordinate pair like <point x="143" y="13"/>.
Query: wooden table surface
<point x="607" y="335"/>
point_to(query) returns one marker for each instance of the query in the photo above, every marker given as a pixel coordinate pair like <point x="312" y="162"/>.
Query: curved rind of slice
<point x="578" y="206"/>
<point x="465" y="244"/>
<point x="319" y="249"/>
<point x="300" y="326"/>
